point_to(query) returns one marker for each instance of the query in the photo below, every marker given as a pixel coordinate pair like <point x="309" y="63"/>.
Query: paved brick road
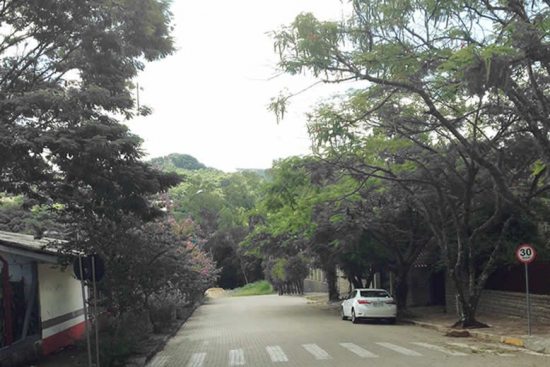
<point x="286" y="331"/>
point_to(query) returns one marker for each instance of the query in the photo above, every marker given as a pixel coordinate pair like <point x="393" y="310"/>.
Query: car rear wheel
<point x="342" y="315"/>
<point x="391" y="320"/>
<point x="354" y="319"/>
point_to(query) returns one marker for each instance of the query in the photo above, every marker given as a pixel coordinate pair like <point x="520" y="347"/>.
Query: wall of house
<point x="317" y="282"/>
<point x="61" y="307"/>
<point x="311" y="285"/>
<point x="343" y="284"/>
<point x="503" y="303"/>
<point x="419" y="287"/>
<point x="514" y="304"/>
<point x="426" y="287"/>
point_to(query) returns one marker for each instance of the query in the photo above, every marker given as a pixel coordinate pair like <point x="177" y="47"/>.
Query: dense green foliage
<point x="66" y="72"/>
<point x="65" y="82"/>
<point x="219" y="204"/>
<point x="449" y="106"/>
<point x="253" y="289"/>
<point x="25" y="216"/>
<point x="175" y="161"/>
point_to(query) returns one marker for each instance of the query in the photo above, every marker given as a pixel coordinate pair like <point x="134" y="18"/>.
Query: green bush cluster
<point x="254" y="289"/>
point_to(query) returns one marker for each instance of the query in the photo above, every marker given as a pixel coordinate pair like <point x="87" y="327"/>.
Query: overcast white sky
<point x="210" y="98"/>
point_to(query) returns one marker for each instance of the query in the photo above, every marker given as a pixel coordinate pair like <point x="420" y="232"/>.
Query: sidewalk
<point x="508" y="330"/>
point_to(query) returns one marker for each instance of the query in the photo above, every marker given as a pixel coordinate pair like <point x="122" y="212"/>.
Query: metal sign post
<point x="95" y="312"/>
<point x="526" y="253"/>
<point x="90" y="268"/>
<point x="86" y="326"/>
<point x="528" y="299"/>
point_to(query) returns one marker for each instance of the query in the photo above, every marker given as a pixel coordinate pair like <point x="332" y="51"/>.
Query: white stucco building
<point x="41" y="305"/>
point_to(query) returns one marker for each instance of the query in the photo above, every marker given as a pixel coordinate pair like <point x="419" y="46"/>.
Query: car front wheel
<point x="342" y="315"/>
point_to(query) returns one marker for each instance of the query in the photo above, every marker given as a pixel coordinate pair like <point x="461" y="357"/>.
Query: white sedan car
<point x="369" y="304"/>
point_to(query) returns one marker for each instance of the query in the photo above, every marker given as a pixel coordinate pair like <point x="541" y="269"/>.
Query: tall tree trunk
<point x="330" y="272"/>
<point x="370" y="277"/>
<point x="469" y="317"/>
<point x="469" y="288"/>
<point x="468" y="300"/>
<point x="401" y="287"/>
<point x="357" y="281"/>
<point x="469" y="310"/>
<point x="241" y="266"/>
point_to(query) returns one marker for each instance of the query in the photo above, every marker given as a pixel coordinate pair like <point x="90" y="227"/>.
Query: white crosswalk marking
<point x="361" y="352"/>
<point x="197" y="360"/>
<point x="463" y="345"/>
<point x="398" y="349"/>
<point x="317" y="352"/>
<point x="439" y="349"/>
<point x="158" y="361"/>
<point x="276" y="353"/>
<point x="236" y="357"/>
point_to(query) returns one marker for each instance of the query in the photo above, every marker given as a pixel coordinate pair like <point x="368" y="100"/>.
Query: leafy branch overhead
<point x="453" y="71"/>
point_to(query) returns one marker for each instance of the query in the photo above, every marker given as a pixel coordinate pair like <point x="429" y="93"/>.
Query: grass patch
<point x="253" y="289"/>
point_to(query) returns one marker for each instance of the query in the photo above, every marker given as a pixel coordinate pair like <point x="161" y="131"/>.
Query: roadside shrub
<point x="120" y="338"/>
<point x="162" y="310"/>
<point x="115" y="349"/>
<point x="254" y="289"/>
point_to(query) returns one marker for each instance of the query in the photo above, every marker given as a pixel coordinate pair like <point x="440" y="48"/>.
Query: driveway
<point x="287" y="331"/>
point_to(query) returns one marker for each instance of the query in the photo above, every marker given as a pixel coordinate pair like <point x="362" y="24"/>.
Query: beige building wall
<point x="317" y="282"/>
<point x="60" y="297"/>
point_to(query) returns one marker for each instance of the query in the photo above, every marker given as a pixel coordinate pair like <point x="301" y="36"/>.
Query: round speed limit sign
<point x="525" y="253"/>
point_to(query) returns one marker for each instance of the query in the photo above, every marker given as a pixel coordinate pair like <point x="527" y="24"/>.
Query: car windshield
<point x="369" y="294"/>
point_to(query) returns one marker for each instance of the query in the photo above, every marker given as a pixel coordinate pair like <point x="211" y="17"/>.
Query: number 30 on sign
<point x="525" y="253"/>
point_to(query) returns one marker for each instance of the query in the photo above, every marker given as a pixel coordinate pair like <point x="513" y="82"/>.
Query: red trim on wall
<point x="62" y="339"/>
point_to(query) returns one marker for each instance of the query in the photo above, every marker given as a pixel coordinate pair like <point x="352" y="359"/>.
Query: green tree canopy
<point x="219" y="204"/>
<point x="66" y="70"/>
<point x="468" y="73"/>
<point x="464" y="86"/>
<point x="176" y="161"/>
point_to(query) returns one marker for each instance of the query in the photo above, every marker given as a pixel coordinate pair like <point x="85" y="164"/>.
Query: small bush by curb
<point x="259" y="288"/>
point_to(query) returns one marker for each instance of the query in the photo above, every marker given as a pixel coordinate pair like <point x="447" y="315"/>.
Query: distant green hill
<point x="175" y="161"/>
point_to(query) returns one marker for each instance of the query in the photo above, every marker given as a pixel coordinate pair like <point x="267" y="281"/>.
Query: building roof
<point x="24" y="245"/>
